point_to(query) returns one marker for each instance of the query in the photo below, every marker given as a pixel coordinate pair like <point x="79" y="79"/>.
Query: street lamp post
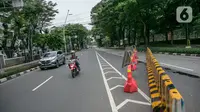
<point x="64" y="32"/>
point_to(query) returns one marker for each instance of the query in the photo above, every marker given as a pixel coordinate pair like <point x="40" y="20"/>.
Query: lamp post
<point x="64" y="32"/>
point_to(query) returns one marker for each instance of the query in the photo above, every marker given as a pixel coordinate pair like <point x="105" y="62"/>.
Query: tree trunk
<point x="166" y="37"/>
<point x="129" y="35"/>
<point x="134" y="37"/>
<point x="123" y="37"/>
<point x="187" y="36"/>
<point x="145" y="36"/>
<point x="172" y="37"/>
<point x="153" y="37"/>
<point x="148" y="34"/>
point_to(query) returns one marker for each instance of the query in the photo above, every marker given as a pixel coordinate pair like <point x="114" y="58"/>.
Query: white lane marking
<point x="42" y="83"/>
<point x="109" y="72"/>
<point x="116" y="87"/>
<point x="139" y="90"/>
<point x="105" y="65"/>
<point x="177" y="67"/>
<point x="133" y="101"/>
<point x="107" y="68"/>
<point x="112" y="102"/>
<point x="114" y="78"/>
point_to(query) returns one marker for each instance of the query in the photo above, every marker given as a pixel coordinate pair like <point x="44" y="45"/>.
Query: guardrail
<point x="164" y="96"/>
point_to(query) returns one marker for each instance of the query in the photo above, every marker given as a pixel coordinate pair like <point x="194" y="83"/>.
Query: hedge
<point x="16" y="70"/>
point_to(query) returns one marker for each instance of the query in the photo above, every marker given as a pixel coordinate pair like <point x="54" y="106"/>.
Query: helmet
<point x="72" y="52"/>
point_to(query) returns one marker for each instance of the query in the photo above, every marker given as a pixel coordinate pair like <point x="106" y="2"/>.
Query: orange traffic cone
<point x="134" y="63"/>
<point x="133" y="67"/>
<point x="130" y="85"/>
<point x="134" y="58"/>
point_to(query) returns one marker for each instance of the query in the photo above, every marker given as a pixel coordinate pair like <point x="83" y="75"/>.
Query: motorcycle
<point x="74" y="69"/>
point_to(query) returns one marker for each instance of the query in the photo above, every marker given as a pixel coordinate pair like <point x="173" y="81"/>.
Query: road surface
<point x="184" y="64"/>
<point x="98" y="88"/>
<point x="186" y="85"/>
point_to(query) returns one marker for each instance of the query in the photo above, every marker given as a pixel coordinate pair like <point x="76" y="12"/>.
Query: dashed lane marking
<point x="133" y="101"/>
<point x="105" y="65"/>
<point x="107" y="68"/>
<point x="109" y="72"/>
<point x="116" y="87"/>
<point x="42" y="83"/>
<point x="114" y="78"/>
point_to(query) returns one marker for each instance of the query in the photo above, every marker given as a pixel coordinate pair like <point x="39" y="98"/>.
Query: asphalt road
<point x="186" y="85"/>
<point x="184" y="64"/>
<point x="96" y="89"/>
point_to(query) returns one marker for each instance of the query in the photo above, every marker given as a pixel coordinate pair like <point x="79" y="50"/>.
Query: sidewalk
<point x="184" y="64"/>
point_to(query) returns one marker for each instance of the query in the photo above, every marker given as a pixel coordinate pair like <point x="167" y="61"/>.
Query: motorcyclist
<point x="73" y="56"/>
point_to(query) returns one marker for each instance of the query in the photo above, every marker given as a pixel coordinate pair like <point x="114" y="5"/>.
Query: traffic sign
<point x="184" y="14"/>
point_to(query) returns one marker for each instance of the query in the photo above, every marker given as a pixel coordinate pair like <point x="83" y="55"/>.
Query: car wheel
<point x="57" y="64"/>
<point x="41" y="68"/>
<point x="64" y="61"/>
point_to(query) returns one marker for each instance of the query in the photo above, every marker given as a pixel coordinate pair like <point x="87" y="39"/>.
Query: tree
<point x="136" y="19"/>
<point x="78" y="34"/>
<point x="29" y="22"/>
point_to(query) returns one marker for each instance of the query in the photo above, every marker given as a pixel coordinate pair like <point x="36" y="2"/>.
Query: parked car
<point x="52" y="59"/>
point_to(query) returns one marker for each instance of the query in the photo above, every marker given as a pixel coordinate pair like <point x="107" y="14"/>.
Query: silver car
<point x="52" y="59"/>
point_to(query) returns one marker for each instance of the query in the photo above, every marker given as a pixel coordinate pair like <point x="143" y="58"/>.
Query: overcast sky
<point x="80" y="10"/>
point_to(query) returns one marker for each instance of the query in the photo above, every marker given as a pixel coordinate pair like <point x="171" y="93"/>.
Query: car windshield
<point x="49" y="55"/>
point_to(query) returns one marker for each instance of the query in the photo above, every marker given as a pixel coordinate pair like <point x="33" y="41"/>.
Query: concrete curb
<point x="17" y="75"/>
<point x="178" y="54"/>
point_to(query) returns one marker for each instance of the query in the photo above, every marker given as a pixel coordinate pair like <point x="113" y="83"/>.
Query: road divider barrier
<point x="164" y="96"/>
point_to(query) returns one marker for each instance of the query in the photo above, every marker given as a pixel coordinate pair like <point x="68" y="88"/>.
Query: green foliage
<point x="137" y="19"/>
<point x="78" y="34"/>
<point x="55" y="40"/>
<point x="28" y="21"/>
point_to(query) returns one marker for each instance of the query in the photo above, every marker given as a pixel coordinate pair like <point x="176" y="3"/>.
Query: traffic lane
<point x="188" y="88"/>
<point x="114" y="82"/>
<point x="84" y="93"/>
<point x="140" y="74"/>
<point x="18" y="92"/>
<point x="184" y="63"/>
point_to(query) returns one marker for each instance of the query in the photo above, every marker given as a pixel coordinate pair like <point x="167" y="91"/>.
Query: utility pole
<point x="64" y="32"/>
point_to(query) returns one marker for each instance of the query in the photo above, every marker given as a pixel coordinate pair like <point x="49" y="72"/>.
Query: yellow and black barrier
<point x="164" y="96"/>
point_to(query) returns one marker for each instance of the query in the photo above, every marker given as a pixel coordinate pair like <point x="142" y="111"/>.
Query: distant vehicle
<point x="52" y="59"/>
